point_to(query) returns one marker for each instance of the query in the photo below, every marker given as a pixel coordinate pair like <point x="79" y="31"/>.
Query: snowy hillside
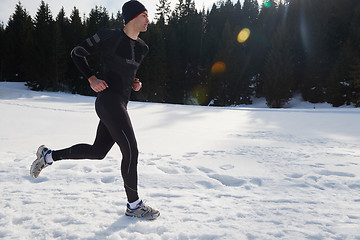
<point x="214" y="173"/>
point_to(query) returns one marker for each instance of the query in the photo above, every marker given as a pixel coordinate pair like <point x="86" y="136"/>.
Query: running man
<point x="122" y="51"/>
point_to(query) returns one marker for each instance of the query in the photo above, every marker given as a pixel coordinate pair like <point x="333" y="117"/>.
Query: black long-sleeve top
<point x="121" y="58"/>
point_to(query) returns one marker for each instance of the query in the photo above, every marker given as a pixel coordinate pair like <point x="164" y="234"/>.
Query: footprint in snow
<point x="4" y="234"/>
<point x="354" y="186"/>
<point x="21" y="220"/>
<point x="205" y="170"/>
<point x="227" y="167"/>
<point x="339" y="174"/>
<point x="208" y="153"/>
<point x="110" y="179"/>
<point x="256" y="181"/>
<point x="187" y="169"/>
<point x="295" y="175"/>
<point x="228" y="180"/>
<point x="190" y="155"/>
<point x="206" y="184"/>
<point x="87" y="169"/>
<point x="168" y="170"/>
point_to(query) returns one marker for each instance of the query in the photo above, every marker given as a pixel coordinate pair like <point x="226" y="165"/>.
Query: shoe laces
<point x="145" y="207"/>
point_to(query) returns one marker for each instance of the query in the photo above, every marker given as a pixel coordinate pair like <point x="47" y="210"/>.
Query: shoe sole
<point x="153" y="217"/>
<point x="36" y="162"/>
<point x="32" y="169"/>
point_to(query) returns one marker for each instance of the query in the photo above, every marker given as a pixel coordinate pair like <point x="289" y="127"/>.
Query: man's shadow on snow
<point x="122" y="223"/>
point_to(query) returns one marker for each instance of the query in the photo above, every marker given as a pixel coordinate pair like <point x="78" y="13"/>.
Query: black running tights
<point x="114" y="127"/>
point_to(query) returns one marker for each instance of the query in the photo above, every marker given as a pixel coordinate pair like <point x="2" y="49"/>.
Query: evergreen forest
<point x="223" y="56"/>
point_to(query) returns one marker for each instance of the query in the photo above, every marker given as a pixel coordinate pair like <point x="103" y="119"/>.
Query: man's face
<point x="141" y="22"/>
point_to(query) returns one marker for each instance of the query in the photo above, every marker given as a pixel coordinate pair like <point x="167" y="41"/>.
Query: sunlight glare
<point x="267" y="3"/>
<point x="199" y="95"/>
<point x="218" y="68"/>
<point x="243" y="35"/>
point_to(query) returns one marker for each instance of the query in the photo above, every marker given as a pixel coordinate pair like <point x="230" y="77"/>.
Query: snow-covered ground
<point x="214" y="173"/>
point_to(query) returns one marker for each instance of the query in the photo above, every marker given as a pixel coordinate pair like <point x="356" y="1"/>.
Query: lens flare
<point x="243" y="35"/>
<point x="199" y="95"/>
<point x="267" y="3"/>
<point x="218" y="68"/>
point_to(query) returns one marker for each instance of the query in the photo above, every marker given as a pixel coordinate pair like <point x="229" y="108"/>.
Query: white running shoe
<point x="142" y="211"/>
<point x="40" y="162"/>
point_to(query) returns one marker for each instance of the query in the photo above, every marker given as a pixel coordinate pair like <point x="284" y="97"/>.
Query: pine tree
<point x="338" y="85"/>
<point x="44" y="50"/>
<point x="279" y="71"/>
<point x="250" y="12"/>
<point x="263" y="32"/>
<point x="153" y="70"/>
<point x="62" y="59"/>
<point x="98" y="19"/>
<point x="318" y="60"/>
<point x="2" y="34"/>
<point x="249" y="53"/>
<point x="354" y="66"/>
<point x="18" y="47"/>
<point x="77" y="28"/>
<point x="163" y="11"/>
<point x="117" y="22"/>
<point x="343" y="43"/>
<point x="185" y="8"/>
<point x="354" y="77"/>
<point x="77" y="33"/>
<point x="220" y="80"/>
<point x="212" y="36"/>
<point x="184" y="40"/>
<point x="296" y="30"/>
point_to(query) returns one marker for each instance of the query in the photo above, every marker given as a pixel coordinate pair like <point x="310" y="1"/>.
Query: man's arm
<point x="89" y="46"/>
<point x="79" y="54"/>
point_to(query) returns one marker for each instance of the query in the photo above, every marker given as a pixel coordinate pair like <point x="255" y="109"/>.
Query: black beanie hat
<point x="131" y="10"/>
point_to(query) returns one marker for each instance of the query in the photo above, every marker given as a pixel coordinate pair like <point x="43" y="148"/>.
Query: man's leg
<point x="102" y="145"/>
<point x="45" y="157"/>
<point x="119" y="126"/>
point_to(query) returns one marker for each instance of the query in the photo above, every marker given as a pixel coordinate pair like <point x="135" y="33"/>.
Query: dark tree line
<point x="307" y="47"/>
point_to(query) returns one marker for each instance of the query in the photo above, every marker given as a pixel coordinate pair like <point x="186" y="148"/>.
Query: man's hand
<point x="137" y="85"/>
<point x="97" y="85"/>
